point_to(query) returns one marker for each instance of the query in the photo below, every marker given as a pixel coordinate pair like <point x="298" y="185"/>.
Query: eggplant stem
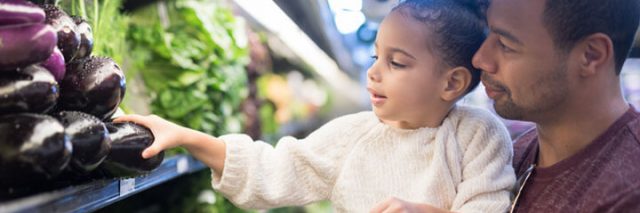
<point x="96" y="12"/>
<point x="74" y="10"/>
<point x="83" y="10"/>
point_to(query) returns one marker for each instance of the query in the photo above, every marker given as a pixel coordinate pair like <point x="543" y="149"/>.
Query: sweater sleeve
<point x="258" y="175"/>
<point x="487" y="174"/>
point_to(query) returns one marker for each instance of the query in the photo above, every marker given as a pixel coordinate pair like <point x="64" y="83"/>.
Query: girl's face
<point x="406" y="80"/>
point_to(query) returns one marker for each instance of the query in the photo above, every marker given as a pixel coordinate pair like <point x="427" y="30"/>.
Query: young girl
<point x="417" y="145"/>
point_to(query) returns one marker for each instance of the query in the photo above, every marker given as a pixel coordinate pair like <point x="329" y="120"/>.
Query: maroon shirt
<point x="603" y="177"/>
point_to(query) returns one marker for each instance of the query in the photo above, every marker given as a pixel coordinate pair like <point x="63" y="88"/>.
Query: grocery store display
<point x="33" y="147"/>
<point x="185" y="61"/>
<point x="68" y="36"/>
<point x="89" y="138"/>
<point x="24" y="44"/>
<point x="95" y="85"/>
<point x="19" y="12"/>
<point x="54" y="97"/>
<point x="86" y="37"/>
<point x="55" y="64"/>
<point x="28" y="89"/>
<point x="127" y="141"/>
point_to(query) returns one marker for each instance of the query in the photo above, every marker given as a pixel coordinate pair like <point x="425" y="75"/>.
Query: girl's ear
<point x="457" y="82"/>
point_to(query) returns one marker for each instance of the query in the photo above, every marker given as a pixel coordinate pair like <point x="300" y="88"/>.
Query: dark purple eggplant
<point x="31" y="89"/>
<point x="22" y="45"/>
<point x="55" y="64"/>
<point x="94" y="85"/>
<point x="68" y="36"/>
<point x="89" y="137"/>
<point x="14" y="12"/>
<point x="86" y="38"/>
<point x="128" y="140"/>
<point x="32" y="146"/>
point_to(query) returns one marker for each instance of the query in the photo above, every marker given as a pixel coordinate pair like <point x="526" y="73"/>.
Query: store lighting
<point x="348" y="21"/>
<point x="274" y="20"/>
<point x="348" y="16"/>
<point x="349" y="5"/>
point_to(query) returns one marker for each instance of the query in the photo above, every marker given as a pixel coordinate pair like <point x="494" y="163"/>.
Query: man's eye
<point x="504" y="47"/>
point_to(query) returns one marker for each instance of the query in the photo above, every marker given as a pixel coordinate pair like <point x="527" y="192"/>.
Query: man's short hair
<point x="569" y="21"/>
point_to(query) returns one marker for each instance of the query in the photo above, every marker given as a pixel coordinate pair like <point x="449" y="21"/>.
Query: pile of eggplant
<point x="56" y="101"/>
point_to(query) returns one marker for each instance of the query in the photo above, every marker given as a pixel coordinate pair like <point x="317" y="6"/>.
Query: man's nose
<point x="483" y="59"/>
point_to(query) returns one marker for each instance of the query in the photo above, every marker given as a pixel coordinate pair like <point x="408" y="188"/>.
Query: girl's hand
<point x="396" y="205"/>
<point x="167" y="134"/>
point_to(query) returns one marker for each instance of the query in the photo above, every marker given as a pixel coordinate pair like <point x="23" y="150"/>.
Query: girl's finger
<point x="131" y="118"/>
<point x="150" y="152"/>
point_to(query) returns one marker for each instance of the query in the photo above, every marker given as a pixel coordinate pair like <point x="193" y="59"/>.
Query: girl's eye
<point x="375" y="57"/>
<point x="397" y="65"/>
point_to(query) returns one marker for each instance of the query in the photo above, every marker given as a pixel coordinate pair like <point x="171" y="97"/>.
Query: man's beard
<point x="550" y="91"/>
<point x="509" y="110"/>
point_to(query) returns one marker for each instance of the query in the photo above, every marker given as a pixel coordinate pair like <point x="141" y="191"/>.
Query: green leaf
<point x="194" y="61"/>
<point x="187" y="78"/>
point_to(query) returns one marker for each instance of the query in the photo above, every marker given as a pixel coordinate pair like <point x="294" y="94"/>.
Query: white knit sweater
<point x="356" y="161"/>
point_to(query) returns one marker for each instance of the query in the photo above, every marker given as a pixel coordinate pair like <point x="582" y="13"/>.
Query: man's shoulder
<point x="634" y="125"/>
<point x="524" y="141"/>
<point x="523" y="147"/>
<point x="614" y="167"/>
<point x="623" y="150"/>
<point x="623" y="200"/>
<point x="613" y="183"/>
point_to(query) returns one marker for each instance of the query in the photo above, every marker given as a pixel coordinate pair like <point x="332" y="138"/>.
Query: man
<point x="557" y="63"/>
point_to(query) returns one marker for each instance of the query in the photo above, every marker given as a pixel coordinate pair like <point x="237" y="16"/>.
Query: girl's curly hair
<point x="459" y="28"/>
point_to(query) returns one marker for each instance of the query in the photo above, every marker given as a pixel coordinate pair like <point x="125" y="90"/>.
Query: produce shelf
<point x="100" y="193"/>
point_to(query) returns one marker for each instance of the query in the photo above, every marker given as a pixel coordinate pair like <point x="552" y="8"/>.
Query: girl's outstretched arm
<point x="258" y="175"/>
<point x="206" y="148"/>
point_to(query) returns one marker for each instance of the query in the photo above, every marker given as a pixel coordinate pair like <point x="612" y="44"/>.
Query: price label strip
<point x="127" y="186"/>
<point x="183" y="165"/>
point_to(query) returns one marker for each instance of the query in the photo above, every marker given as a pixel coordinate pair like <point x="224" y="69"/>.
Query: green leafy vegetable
<point x="192" y="56"/>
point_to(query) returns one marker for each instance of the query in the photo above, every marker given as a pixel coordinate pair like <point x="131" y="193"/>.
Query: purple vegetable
<point x="22" y="45"/>
<point x="14" y="12"/>
<point x="31" y="89"/>
<point x="55" y="64"/>
<point x="86" y="38"/>
<point x="128" y="140"/>
<point x="94" y="85"/>
<point x="32" y="145"/>
<point x="89" y="137"/>
<point x="68" y="36"/>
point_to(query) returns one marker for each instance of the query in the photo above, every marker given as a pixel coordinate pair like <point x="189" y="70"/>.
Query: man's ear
<point x="595" y="54"/>
<point x="457" y="81"/>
